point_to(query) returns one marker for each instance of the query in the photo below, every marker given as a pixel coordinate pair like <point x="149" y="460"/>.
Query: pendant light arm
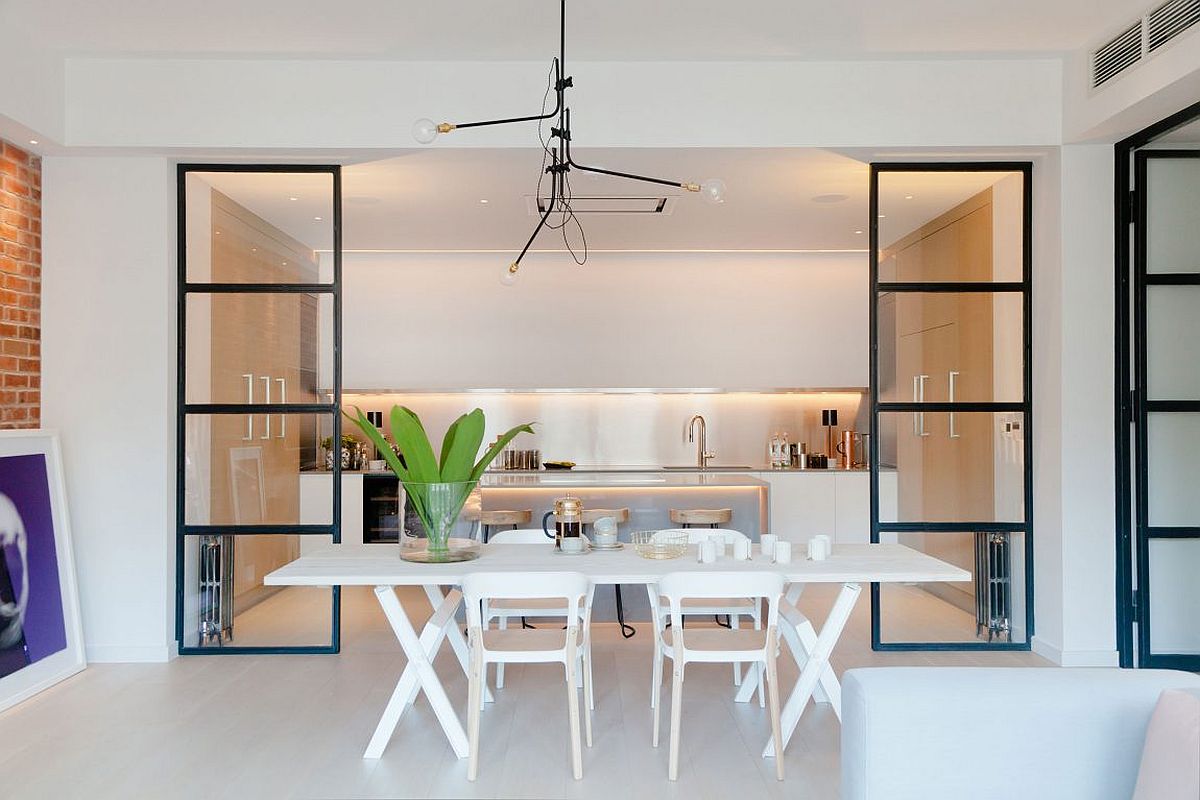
<point x="554" y="179"/>
<point x="446" y="127"/>
<point x="691" y="187"/>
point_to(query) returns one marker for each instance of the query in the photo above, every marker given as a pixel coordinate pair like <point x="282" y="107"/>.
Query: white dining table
<point x="380" y="566"/>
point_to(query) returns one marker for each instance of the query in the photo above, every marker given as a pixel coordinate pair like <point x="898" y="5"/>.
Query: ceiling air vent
<point x="1117" y="55"/>
<point x="1169" y="20"/>
<point x="609" y="205"/>
<point x="1143" y="38"/>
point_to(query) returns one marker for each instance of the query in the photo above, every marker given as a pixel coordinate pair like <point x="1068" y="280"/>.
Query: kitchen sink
<point x="709" y="468"/>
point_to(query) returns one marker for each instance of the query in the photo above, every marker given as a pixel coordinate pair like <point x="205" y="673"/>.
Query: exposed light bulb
<point x="713" y="190"/>
<point x="509" y="276"/>
<point x="425" y="130"/>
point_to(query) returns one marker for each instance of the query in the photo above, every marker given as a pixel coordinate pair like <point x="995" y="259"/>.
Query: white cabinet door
<point x="852" y="498"/>
<point x="802" y="504"/>
<point x="316" y="495"/>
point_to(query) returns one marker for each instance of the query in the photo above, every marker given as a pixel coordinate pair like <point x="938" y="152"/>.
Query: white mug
<point x="783" y="553"/>
<point x="572" y="544"/>
<point x="767" y="541"/>
<point x="819" y="548"/>
<point x="605" y="538"/>
<point x="707" y="551"/>
<point x="741" y="549"/>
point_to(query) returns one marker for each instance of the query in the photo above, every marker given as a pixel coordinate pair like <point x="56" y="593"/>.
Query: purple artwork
<point x="32" y="626"/>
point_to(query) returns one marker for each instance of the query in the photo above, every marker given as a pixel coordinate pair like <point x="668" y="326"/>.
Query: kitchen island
<point x="648" y="494"/>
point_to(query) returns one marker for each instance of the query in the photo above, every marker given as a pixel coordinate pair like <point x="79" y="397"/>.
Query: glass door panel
<point x="259" y="227"/>
<point x="988" y="608"/>
<point x="259" y="347"/>
<point x="1173" y="464"/>
<point x="227" y="605"/>
<point x="951" y="397"/>
<point x="950" y="225"/>
<point x="1166" y="238"/>
<point x="259" y="309"/>
<point x="962" y="466"/>
<point x="1172" y="331"/>
<point x="1174" y="565"/>
<point x="1172" y="230"/>
<point x="950" y="347"/>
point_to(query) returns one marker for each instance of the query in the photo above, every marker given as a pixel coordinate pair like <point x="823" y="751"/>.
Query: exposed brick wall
<point x="20" y="287"/>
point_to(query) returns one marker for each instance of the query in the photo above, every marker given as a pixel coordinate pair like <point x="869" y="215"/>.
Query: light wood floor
<point x="295" y="726"/>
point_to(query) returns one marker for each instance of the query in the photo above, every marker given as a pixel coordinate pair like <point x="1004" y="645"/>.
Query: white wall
<point x="1073" y="413"/>
<point x="159" y="103"/>
<point x="108" y="385"/>
<point x="652" y="320"/>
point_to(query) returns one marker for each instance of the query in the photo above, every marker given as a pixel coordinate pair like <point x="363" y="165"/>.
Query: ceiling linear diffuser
<point x="1143" y="38"/>
<point x="557" y="161"/>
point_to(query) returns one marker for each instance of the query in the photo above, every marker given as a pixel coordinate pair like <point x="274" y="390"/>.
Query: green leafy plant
<point x="437" y="485"/>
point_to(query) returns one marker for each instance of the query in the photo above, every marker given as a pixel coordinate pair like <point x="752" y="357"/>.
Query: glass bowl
<point x="660" y="545"/>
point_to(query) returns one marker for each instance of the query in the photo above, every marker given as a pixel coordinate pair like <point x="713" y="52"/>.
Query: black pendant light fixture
<point x="557" y="161"/>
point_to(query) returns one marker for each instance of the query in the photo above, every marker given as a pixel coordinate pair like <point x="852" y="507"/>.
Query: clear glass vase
<point x="443" y="533"/>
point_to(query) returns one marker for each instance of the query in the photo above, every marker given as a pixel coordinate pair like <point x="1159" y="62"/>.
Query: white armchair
<point x="997" y="734"/>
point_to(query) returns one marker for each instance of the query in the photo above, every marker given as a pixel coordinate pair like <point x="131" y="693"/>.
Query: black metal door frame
<point x="183" y="530"/>
<point x="1025" y="288"/>
<point x="1133" y="405"/>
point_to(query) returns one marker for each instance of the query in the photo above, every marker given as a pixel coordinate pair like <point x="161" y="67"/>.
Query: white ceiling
<point x="430" y="200"/>
<point x="632" y="30"/>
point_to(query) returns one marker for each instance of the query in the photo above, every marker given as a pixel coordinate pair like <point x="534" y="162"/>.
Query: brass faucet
<point x="702" y="453"/>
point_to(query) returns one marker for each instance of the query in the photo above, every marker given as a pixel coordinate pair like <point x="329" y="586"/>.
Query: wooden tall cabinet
<point x="941" y="349"/>
<point x="263" y="350"/>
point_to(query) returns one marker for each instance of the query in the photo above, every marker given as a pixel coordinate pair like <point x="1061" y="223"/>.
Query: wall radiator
<point x="993" y="585"/>
<point x="215" y="590"/>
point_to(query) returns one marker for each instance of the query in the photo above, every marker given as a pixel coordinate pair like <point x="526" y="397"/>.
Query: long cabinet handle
<point x="919" y="397"/>
<point x="249" y="399"/>
<point x="267" y="399"/>
<point x="953" y="379"/>
<point x="283" y="399"/>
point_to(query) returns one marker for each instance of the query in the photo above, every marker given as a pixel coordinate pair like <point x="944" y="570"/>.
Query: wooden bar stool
<point x="621" y="515"/>
<point x="513" y="519"/>
<point x="695" y="517"/>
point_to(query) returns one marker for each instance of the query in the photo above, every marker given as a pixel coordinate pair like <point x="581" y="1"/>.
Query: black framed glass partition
<point x="259" y="375"/>
<point x="951" y="399"/>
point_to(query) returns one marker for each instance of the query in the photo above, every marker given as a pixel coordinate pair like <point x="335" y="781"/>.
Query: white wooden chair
<point x="541" y="645"/>
<point x="732" y="607"/>
<point x="504" y="609"/>
<point x="711" y="645"/>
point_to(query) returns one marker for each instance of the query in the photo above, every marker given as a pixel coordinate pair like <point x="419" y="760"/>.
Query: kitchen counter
<point x="604" y="478"/>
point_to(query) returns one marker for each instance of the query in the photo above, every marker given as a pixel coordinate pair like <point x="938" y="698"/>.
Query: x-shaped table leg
<point x="801" y="639"/>
<point x="419" y="673"/>
<point x="817" y="664"/>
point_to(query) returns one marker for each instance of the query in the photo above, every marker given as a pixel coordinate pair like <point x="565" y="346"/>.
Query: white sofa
<point x="992" y="734"/>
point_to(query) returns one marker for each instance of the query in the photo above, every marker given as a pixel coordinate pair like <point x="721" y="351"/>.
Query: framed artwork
<point x="41" y="641"/>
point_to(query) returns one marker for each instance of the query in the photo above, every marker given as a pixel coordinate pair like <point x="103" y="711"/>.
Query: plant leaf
<point x="414" y="444"/>
<point x="496" y="447"/>
<point x="458" y="456"/>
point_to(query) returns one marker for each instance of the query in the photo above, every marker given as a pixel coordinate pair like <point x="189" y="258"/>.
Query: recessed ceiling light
<point x="858" y="231"/>
<point x="908" y="197"/>
<point x="484" y="200"/>
<point x="316" y="219"/>
<point x="293" y="198"/>
<point x="253" y="249"/>
<point x="831" y="198"/>
<point x="883" y="216"/>
<point x="33" y="141"/>
<point x="218" y="233"/>
<point x="285" y="263"/>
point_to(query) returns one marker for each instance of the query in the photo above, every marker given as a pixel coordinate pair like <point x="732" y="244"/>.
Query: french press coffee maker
<point x="568" y="520"/>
